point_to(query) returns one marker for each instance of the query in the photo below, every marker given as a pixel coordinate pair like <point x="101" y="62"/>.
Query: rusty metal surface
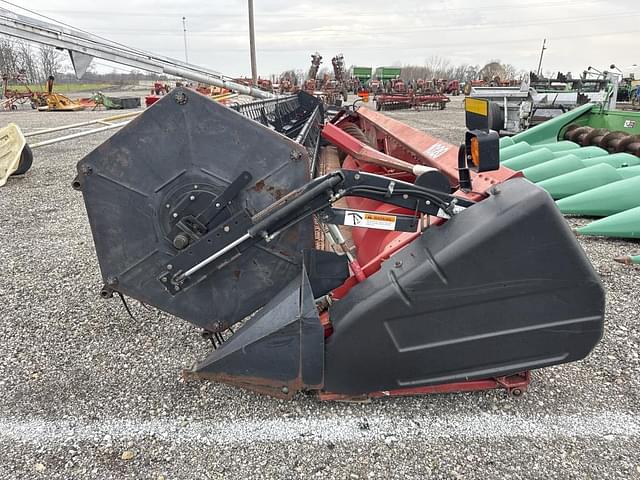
<point x="515" y="385"/>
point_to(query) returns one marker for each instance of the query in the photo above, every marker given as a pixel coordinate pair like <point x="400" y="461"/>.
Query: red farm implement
<point x="352" y="258"/>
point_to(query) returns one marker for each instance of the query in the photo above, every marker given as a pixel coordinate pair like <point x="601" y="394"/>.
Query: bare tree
<point x="49" y="61"/>
<point x="9" y="62"/>
<point x="492" y="70"/>
<point x="27" y="62"/>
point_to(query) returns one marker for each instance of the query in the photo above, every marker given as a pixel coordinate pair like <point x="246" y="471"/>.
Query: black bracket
<point x="365" y="219"/>
<point x="190" y="228"/>
<point x="214" y="240"/>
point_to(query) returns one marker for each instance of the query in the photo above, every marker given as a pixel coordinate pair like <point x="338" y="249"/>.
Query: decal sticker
<point x="436" y="150"/>
<point x="629" y="123"/>
<point x="369" y="220"/>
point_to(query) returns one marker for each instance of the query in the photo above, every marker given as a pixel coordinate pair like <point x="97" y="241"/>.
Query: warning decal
<point x="436" y="150"/>
<point x="369" y="220"/>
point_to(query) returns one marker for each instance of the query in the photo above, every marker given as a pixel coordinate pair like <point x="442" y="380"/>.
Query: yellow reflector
<point x="475" y="151"/>
<point x="477" y="106"/>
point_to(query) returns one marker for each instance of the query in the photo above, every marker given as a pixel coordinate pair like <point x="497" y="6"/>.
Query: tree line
<point x="34" y="64"/>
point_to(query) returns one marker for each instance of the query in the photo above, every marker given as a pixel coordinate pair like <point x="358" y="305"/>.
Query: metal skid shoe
<point x="279" y="351"/>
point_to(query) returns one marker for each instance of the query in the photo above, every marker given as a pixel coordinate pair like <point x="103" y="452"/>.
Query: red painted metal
<point x="361" y="152"/>
<point x="151" y="99"/>
<point x="399" y="148"/>
<point x="397" y="141"/>
<point x="515" y="385"/>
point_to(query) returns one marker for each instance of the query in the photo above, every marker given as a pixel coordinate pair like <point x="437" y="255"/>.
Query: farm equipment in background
<point x="398" y="270"/>
<point x="396" y="85"/>
<point x="100" y="100"/>
<point x="50" y="101"/>
<point x="589" y="161"/>
<point x="635" y="97"/>
<point x="399" y="101"/>
<point x="339" y="85"/>
<point x="526" y="106"/>
<point x="399" y="96"/>
<point x="56" y="102"/>
<point x="362" y="76"/>
<point x="451" y="87"/>
<point x="375" y="86"/>
<point x="330" y="91"/>
<point x="385" y="74"/>
<point x="16" y="155"/>
<point x="310" y="85"/>
<point x="18" y="93"/>
<point x="286" y="85"/>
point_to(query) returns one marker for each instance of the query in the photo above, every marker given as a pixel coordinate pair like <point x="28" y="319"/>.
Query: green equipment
<point x="588" y="160"/>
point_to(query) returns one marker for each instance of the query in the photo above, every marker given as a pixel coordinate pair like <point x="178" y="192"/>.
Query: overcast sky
<point x="370" y="33"/>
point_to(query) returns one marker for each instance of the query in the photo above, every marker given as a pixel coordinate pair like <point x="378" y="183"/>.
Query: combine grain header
<point x="397" y="270"/>
<point x="589" y="161"/>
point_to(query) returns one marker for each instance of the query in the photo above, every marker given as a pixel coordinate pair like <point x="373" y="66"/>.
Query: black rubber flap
<point x="279" y="351"/>
<point x="185" y="146"/>
<point x="500" y="288"/>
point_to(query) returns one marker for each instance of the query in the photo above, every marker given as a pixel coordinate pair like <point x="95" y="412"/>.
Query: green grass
<point x="64" y="87"/>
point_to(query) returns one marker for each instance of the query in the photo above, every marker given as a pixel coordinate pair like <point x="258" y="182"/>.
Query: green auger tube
<point x="553" y="168"/>
<point x="602" y="201"/>
<point x="562" y="146"/>
<point x="529" y="159"/>
<point x="623" y="225"/>
<point x="616" y="160"/>
<point x="506" y="142"/>
<point x="580" y="181"/>
<point x="585" y="179"/>
<point x="544" y="154"/>
<point x="628" y="259"/>
<point x="628" y="172"/>
<point x="588" y="152"/>
<point x="513" y="151"/>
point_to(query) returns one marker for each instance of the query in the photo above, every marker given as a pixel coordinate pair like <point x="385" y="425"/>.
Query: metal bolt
<point x="112" y="281"/>
<point x="168" y="205"/>
<point x="495" y="190"/>
<point x="86" y="169"/>
<point x="164" y="280"/>
<point x="175" y="215"/>
<point x="176" y="288"/>
<point x="398" y="264"/>
<point x="405" y="196"/>
<point x="169" y="267"/>
<point x="357" y="176"/>
<point x="428" y="202"/>
<point x="285" y="390"/>
<point x="181" y="241"/>
<point x="227" y="228"/>
<point x="180" y="98"/>
<point x="217" y="205"/>
<point x="195" y="187"/>
<point x="192" y="198"/>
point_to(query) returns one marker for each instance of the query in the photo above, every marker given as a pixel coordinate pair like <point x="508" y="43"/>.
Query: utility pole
<point x="544" y="47"/>
<point x="252" y="46"/>
<point x="184" y="31"/>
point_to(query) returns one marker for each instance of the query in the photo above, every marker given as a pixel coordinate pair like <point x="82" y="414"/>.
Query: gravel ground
<point x="87" y="392"/>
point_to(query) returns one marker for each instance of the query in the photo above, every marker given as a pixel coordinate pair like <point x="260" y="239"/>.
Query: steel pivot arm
<point x="315" y="197"/>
